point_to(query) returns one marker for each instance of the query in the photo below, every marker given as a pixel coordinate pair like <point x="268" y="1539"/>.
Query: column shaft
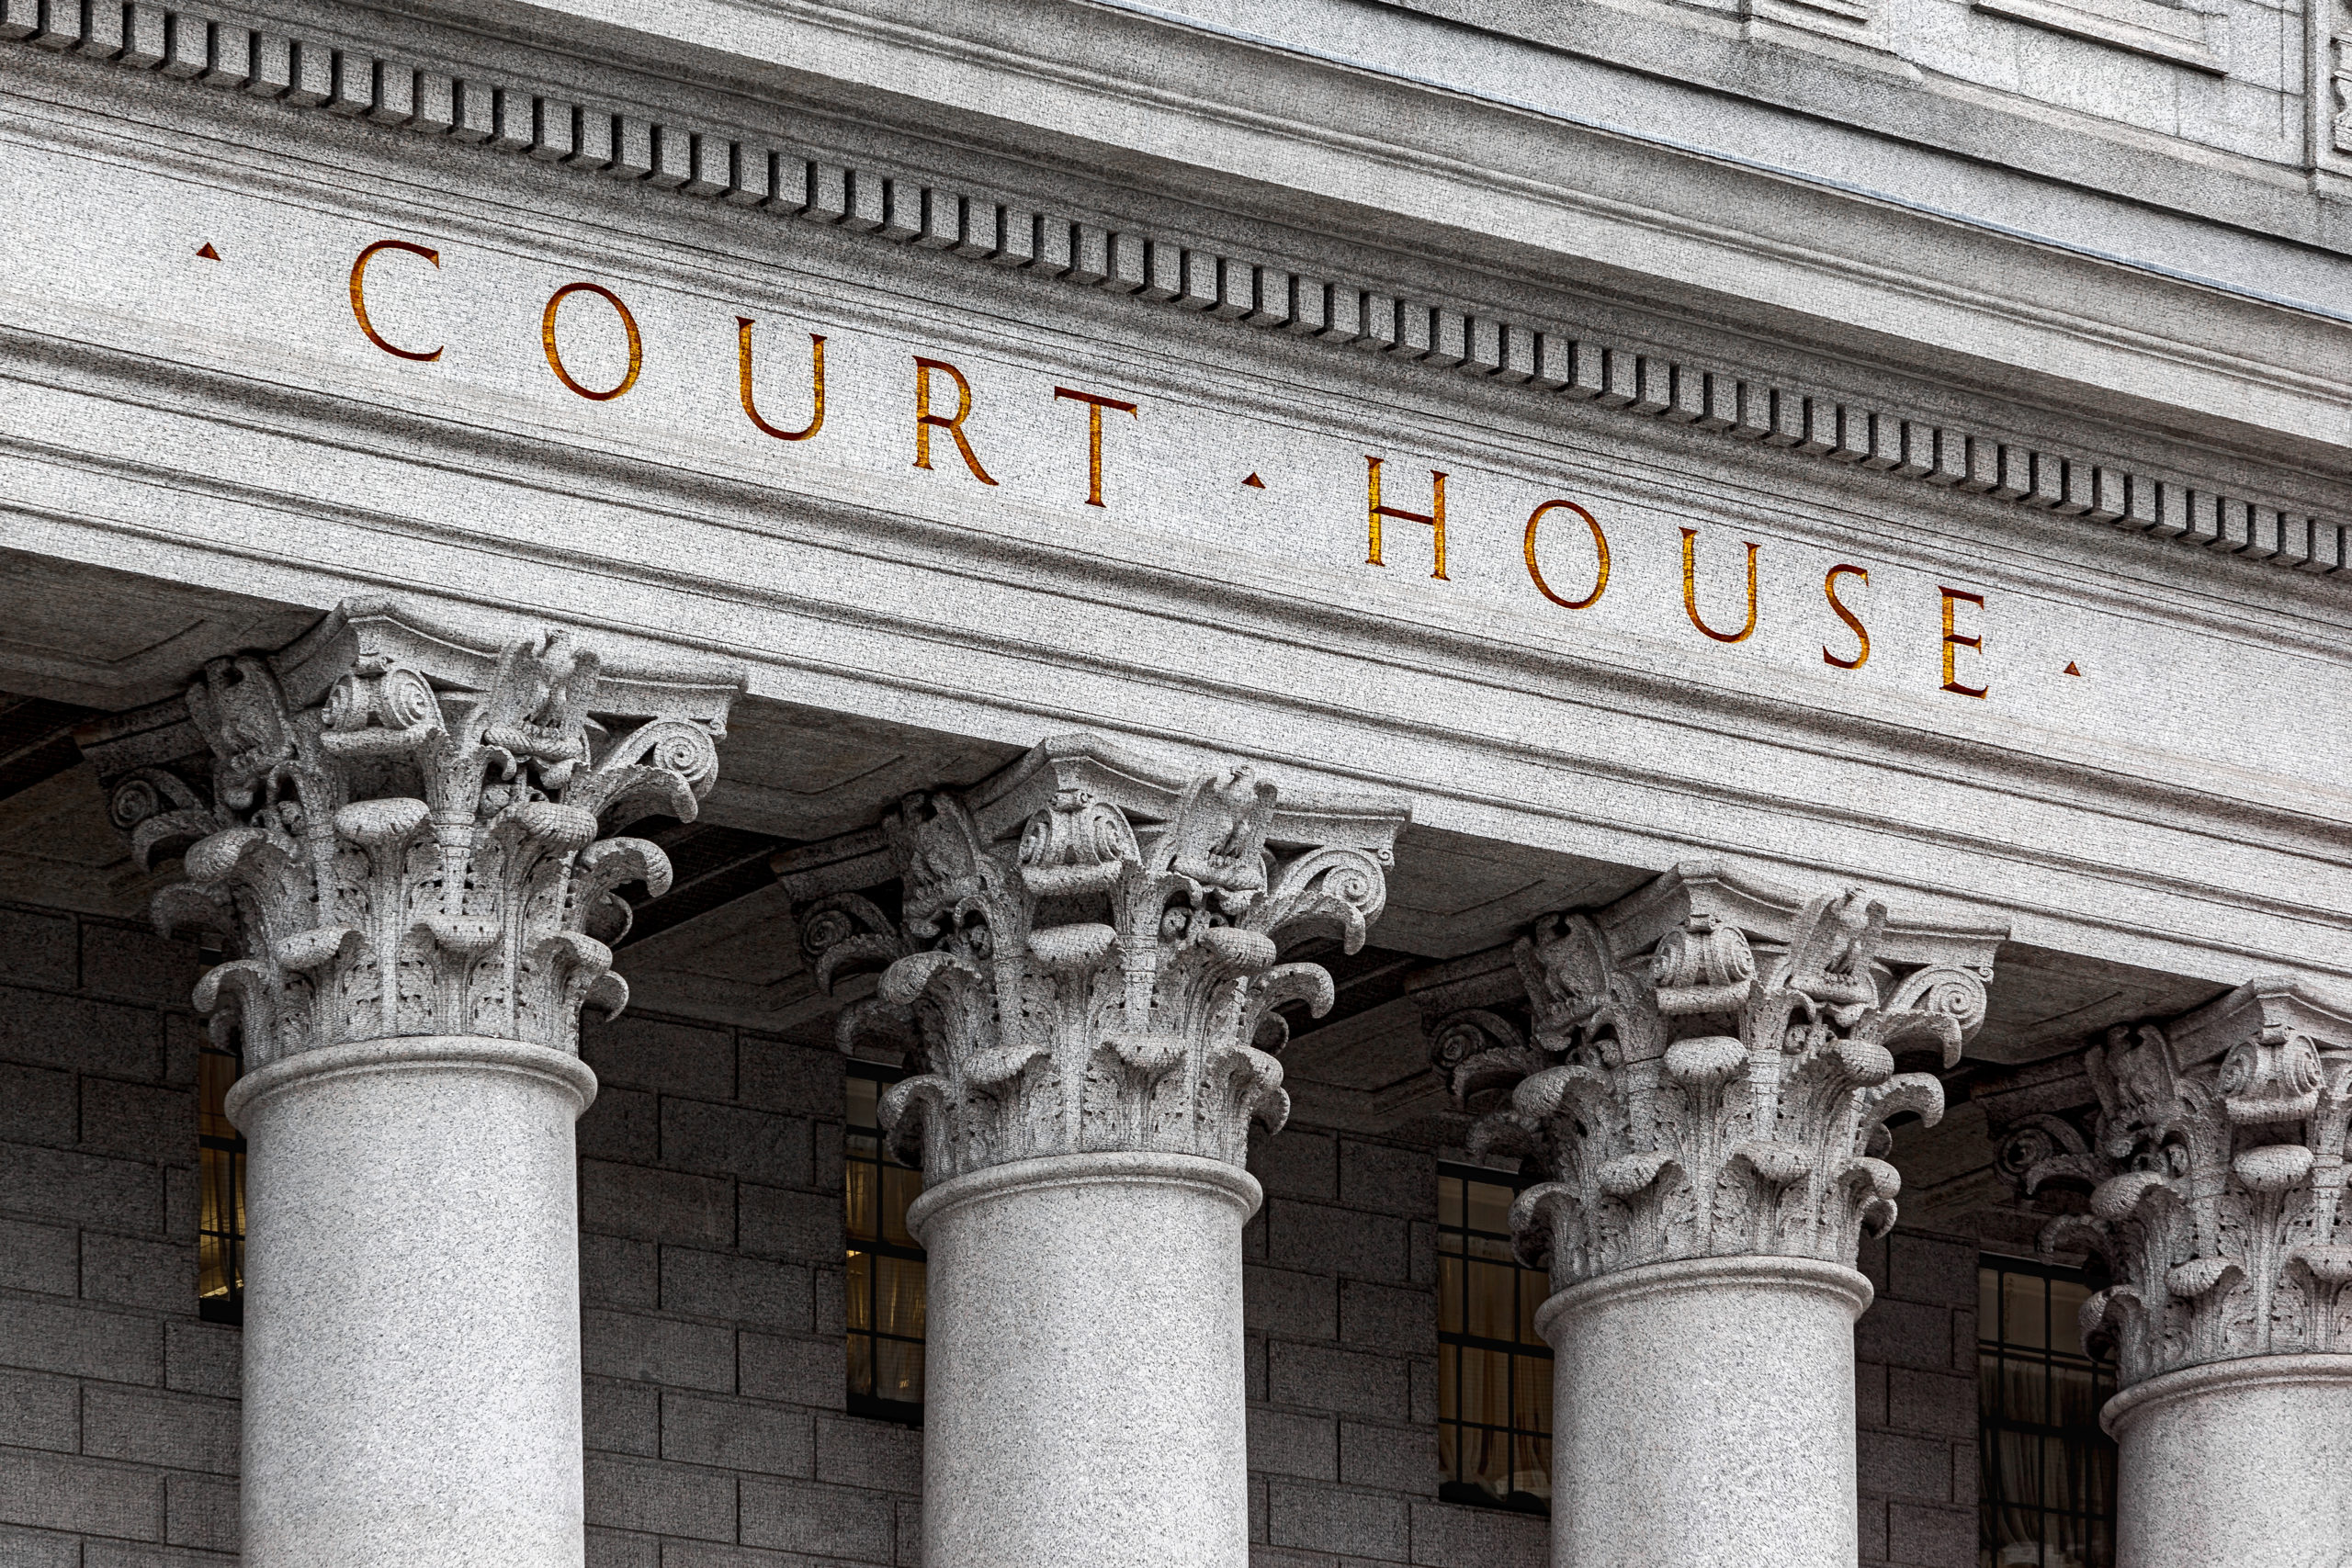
<point x="2244" y="1463"/>
<point x="1085" y="1400"/>
<point x="411" y="1350"/>
<point x="1704" y="1412"/>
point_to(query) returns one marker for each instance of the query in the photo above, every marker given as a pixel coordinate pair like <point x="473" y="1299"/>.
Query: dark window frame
<point x="220" y="1176"/>
<point x="867" y="1403"/>
<point x="2084" y="1453"/>
<point x="1451" y="1425"/>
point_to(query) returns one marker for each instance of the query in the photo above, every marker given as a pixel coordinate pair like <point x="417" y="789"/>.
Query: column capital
<point x="1707" y="1068"/>
<point x="2210" y="1173"/>
<point x="1084" y="955"/>
<point x="399" y="826"/>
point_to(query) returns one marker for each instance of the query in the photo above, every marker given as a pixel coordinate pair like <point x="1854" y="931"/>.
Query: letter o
<point x="555" y="356"/>
<point x="1599" y="543"/>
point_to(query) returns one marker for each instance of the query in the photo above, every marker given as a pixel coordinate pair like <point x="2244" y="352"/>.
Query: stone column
<point x="1711" y="1116"/>
<point x="2214" y="1167"/>
<point x="1086" y="971"/>
<point x="401" y="833"/>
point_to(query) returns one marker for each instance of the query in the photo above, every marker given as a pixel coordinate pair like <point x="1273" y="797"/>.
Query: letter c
<point x="359" y="294"/>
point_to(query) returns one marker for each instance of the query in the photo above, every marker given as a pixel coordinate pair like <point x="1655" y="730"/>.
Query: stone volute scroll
<point x="1722" y="1093"/>
<point x="1082" y="961"/>
<point x="1699" y="1081"/>
<point x="403" y="835"/>
<point x="1087" y="958"/>
<point x="2208" y="1180"/>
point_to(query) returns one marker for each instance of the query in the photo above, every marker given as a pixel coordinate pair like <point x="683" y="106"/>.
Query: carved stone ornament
<point x="1086" y="954"/>
<point x="2214" y="1165"/>
<point x="1708" y="1070"/>
<point x="400" y="831"/>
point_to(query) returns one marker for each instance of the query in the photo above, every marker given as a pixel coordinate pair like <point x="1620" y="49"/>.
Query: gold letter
<point x="555" y="358"/>
<point x="1095" y="403"/>
<point x="1599" y="542"/>
<point x="1691" y="589"/>
<point x="1954" y="639"/>
<point x="1829" y="588"/>
<point x="359" y="294"/>
<point x="817" y="374"/>
<point x="925" y="418"/>
<point x="1434" y="516"/>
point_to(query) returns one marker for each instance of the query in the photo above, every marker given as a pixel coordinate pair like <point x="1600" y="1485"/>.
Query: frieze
<point x="812" y="184"/>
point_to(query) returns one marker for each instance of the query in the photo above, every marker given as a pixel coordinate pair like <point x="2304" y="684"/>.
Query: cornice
<point x="1167" y="273"/>
<point x="1164" y="589"/>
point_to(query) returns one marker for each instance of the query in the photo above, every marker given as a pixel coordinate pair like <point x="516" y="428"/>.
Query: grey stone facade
<point x="1733" y="611"/>
<point x="711" y="1249"/>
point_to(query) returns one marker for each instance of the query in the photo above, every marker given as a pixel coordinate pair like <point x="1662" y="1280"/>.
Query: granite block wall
<point x="1914" y="1393"/>
<point x="118" y="1405"/>
<point x="711" y="1278"/>
<point x="711" y="1336"/>
<point x="1340" y="1296"/>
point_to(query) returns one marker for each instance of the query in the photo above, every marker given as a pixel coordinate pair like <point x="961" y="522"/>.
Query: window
<point x="221" y="1172"/>
<point x="1494" y="1374"/>
<point x="886" y="1284"/>
<point x="2048" y="1473"/>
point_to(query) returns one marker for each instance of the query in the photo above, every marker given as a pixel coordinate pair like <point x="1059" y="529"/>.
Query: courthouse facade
<point x="1235" y="783"/>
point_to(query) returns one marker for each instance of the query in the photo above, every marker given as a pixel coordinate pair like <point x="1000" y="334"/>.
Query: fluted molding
<point x="400" y="831"/>
<point x="2214" y="1165"/>
<point x="1708" y="1068"/>
<point x="1086" y="952"/>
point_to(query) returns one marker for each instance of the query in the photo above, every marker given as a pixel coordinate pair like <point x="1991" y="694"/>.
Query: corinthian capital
<point x="1086" y="954"/>
<point x="1707" y="1069"/>
<point x="2214" y="1165"/>
<point x="400" y="831"/>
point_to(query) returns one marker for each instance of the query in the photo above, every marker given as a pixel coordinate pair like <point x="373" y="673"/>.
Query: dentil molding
<point x="562" y="128"/>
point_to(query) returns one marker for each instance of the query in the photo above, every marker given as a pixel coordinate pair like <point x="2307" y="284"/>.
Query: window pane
<point x="884" y="1286"/>
<point x="900" y="1187"/>
<point x="2066" y="1298"/>
<point x="857" y="1294"/>
<point x="858" y="1196"/>
<point x="1494" y="1371"/>
<point x="2047" y="1476"/>
<point x="862" y="1094"/>
<point x="898" y="1371"/>
<point x="1489" y="1206"/>
<point x="1493" y="1290"/>
<point x="899" y="1287"/>
<point x="2024" y="1306"/>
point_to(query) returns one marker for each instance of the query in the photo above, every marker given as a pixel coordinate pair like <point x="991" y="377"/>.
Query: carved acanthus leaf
<point x="1084" y="962"/>
<point x="401" y="833"/>
<point x="1725" y="1093"/>
<point x="2215" y="1177"/>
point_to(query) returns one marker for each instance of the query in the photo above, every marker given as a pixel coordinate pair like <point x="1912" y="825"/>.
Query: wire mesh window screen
<point x="2047" y="1472"/>
<point x="884" y="1296"/>
<point x="221" y="1175"/>
<point x="1494" y="1373"/>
